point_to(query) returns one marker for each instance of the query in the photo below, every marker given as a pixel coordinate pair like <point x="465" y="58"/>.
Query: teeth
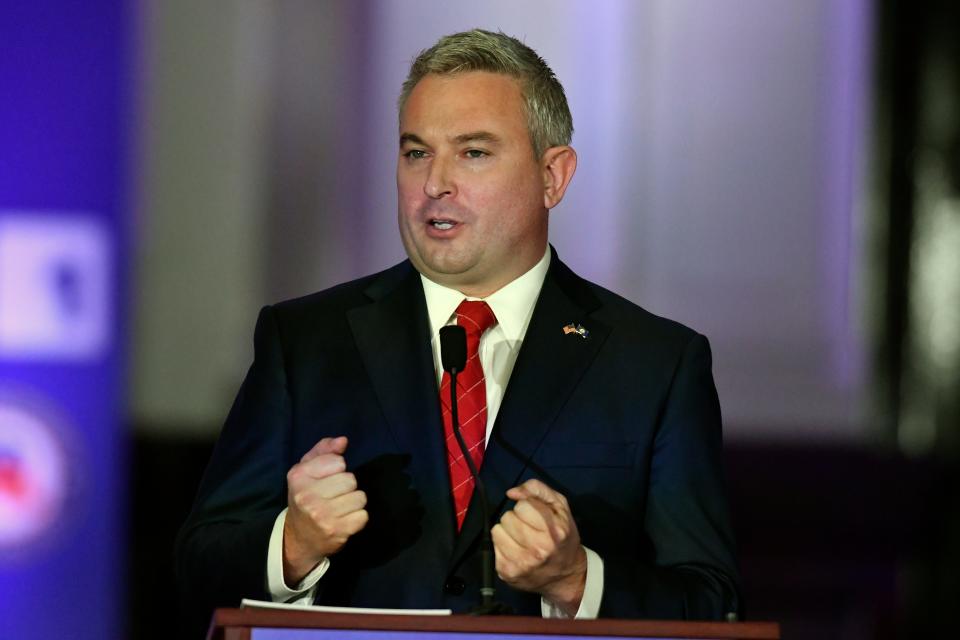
<point x="442" y="224"/>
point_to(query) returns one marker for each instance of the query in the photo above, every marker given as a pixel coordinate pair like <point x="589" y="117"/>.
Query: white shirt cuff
<point x="304" y="592"/>
<point x="592" y="593"/>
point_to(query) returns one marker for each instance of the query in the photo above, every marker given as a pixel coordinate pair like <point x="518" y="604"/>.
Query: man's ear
<point x="558" y="165"/>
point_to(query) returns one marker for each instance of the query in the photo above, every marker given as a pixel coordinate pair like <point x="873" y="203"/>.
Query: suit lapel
<point x="393" y="337"/>
<point x="548" y="369"/>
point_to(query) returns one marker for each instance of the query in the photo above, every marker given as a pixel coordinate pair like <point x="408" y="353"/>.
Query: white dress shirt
<point x="499" y="346"/>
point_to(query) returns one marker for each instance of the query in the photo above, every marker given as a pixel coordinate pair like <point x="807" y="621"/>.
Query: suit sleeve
<point x="685" y="569"/>
<point x="222" y="547"/>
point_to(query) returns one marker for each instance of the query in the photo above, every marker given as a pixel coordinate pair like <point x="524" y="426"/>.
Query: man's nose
<point x="439" y="180"/>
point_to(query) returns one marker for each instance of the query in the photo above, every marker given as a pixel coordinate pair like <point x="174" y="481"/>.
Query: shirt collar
<point x="511" y="304"/>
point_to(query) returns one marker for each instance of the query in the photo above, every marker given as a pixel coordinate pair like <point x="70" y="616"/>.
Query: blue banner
<point x="64" y="115"/>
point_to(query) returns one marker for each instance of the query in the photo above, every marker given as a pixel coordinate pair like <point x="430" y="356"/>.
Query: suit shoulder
<point x="339" y="299"/>
<point x="345" y="295"/>
<point x="636" y="322"/>
<point x="629" y="320"/>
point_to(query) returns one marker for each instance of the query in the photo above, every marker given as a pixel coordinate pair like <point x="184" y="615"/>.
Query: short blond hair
<point x="548" y="115"/>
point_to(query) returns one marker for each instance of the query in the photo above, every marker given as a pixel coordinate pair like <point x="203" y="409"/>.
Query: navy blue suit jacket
<point x="624" y="422"/>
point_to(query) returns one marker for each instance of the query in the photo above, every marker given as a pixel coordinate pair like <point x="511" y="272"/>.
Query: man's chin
<point x="448" y="275"/>
<point x="444" y="265"/>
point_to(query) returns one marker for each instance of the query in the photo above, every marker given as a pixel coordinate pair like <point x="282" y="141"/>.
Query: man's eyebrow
<point x="473" y="136"/>
<point x="411" y="138"/>
<point x="476" y="136"/>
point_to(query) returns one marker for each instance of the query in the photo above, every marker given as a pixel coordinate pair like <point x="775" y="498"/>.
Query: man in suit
<point x="595" y="424"/>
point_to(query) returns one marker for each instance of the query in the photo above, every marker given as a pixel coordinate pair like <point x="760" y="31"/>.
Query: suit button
<point x="454" y="586"/>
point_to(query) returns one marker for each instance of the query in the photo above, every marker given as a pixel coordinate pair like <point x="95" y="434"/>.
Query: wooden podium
<point x="268" y="624"/>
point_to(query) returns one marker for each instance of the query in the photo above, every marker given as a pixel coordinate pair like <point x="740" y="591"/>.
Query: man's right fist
<point x="324" y="508"/>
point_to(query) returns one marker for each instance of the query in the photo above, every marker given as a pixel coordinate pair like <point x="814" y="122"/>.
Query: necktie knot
<point x="475" y="316"/>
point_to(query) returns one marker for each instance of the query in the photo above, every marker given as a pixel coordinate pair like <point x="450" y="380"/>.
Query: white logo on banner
<point x="33" y="476"/>
<point x="54" y="287"/>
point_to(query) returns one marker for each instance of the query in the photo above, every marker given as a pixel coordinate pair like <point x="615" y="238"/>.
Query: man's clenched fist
<point x="537" y="546"/>
<point x="324" y="508"/>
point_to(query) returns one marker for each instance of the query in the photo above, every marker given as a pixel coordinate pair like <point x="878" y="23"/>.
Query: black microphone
<point x="453" y="358"/>
<point x="453" y="349"/>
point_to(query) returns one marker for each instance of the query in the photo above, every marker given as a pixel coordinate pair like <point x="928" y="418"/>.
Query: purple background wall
<point x="722" y="153"/>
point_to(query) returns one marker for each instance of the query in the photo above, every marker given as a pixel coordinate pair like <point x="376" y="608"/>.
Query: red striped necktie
<point x="475" y="317"/>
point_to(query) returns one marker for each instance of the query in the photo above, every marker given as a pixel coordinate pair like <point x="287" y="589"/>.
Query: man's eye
<point x="475" y="153"/>
<point x="416" y="154"/>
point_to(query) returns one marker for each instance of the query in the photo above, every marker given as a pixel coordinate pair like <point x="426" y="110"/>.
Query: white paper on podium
<point x="264" y="604"/>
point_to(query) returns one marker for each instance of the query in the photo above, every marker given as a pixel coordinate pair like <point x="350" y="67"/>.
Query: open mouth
<point x="441" y="224"/>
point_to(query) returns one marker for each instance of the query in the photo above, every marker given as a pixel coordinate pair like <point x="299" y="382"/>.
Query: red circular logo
<point x="33" y="476"/>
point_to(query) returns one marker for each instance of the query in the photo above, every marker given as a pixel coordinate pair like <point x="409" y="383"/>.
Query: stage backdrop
<point x="63" y="111"/>
<point x="721" y="150"/>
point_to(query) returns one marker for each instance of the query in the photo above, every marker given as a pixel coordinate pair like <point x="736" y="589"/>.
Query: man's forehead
<point x="463" y="104"/>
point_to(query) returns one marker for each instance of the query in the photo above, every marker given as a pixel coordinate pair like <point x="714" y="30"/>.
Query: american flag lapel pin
<point x="577" y="329"/>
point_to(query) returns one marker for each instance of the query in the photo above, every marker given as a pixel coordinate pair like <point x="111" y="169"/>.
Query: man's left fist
<point x="538" y="547"/>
